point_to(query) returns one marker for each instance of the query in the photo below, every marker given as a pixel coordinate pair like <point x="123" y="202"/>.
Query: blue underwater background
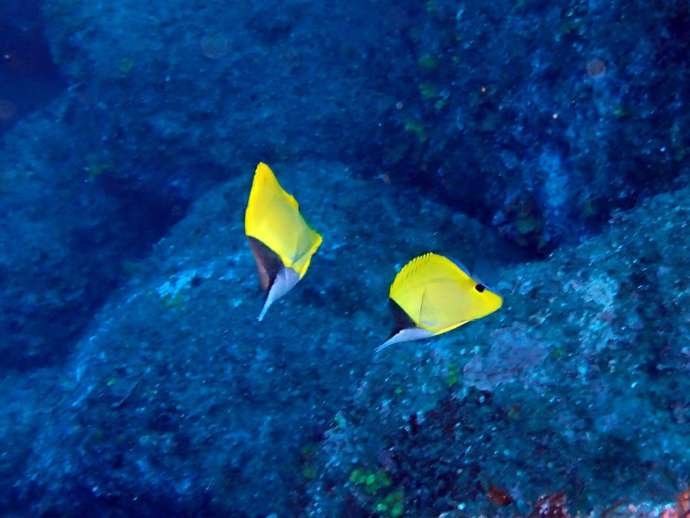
<point x="546" y="145"/>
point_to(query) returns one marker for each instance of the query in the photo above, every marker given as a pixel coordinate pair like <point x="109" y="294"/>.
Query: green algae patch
<point x="428" y="91"/>
<point x="428" y="62"/>
<point x="382" y="498"/>
<point x="417" y="128"/>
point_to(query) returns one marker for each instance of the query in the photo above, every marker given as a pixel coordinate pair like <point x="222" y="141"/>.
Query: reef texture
<point x="135" y="377"/>
<point x="536" y="119"/>
<point x="580" y="384"/>
<point x="542" y="117"/>
<point x="65" y="237"/>
<point x="177" y="399"/>
<point x="535" y="116"/>
<point x="183" y="94"/>
<point x="153" y="116"/>
<point x="28" y="76"/>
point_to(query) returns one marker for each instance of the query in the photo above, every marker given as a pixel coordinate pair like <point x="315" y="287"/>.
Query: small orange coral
<point x="499" y="496"/>
<point x="669" y="513"/>
<point x="683" y="501"/>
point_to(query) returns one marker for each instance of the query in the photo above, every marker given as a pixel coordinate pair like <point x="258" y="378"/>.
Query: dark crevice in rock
<point x="28" y="77"/>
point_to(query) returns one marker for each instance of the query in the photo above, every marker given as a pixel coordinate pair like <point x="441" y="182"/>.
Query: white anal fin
<point x="405" y="335"/>
<point x="285" y="280"/>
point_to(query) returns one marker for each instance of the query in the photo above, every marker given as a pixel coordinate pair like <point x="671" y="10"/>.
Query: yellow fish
<point x="432" y="295"/>
<point x="281" y="241"/>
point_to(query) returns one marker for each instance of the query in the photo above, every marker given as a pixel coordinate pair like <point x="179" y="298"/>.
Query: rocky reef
<point x="580" y="387"/>
<point x="542" y="145"/>
<point x="537" y="120"/>
<point x="176" y="398"/>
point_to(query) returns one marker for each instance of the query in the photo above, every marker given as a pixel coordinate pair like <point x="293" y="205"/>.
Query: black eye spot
<point x="480" y="287"/>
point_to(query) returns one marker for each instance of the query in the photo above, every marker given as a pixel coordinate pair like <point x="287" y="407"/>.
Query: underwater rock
<point x="237" y="83"/>
<point x="178" y="399"/>
<point x="595" y="410"/>
<point x="511" y="359"/>
<point x="52" y="279"/>
<point x="542" y="118"/>
<point x="28" y="77"/>
<point x="27" y="399"/>
<point x="535" y="117"/>
<point x="159" y="108"/>
<point x="185" y="93"/>
<point x="66" y="235"/>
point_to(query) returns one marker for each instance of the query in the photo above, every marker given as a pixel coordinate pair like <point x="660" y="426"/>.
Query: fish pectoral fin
<point x="285" y="280"/>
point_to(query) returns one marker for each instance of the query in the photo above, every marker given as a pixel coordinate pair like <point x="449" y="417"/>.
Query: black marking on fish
<point x="268" y="263"/>
<point x="402" y="320"/>
<point x="480" y="287"/>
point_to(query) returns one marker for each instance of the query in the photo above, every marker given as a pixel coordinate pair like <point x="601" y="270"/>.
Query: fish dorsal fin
<point x="438" y="295"/>
<point x="273" y="218"/>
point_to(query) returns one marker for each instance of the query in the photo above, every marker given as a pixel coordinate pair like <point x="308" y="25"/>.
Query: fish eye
<point x="479" y="287"/>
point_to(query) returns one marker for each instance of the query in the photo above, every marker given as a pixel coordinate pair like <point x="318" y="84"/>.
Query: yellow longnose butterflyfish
<point x="432" y="295"/>
<point x="281" y="240"/>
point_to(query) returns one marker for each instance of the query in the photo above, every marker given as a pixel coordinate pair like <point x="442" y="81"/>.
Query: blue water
<point x="543" y="146"/>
